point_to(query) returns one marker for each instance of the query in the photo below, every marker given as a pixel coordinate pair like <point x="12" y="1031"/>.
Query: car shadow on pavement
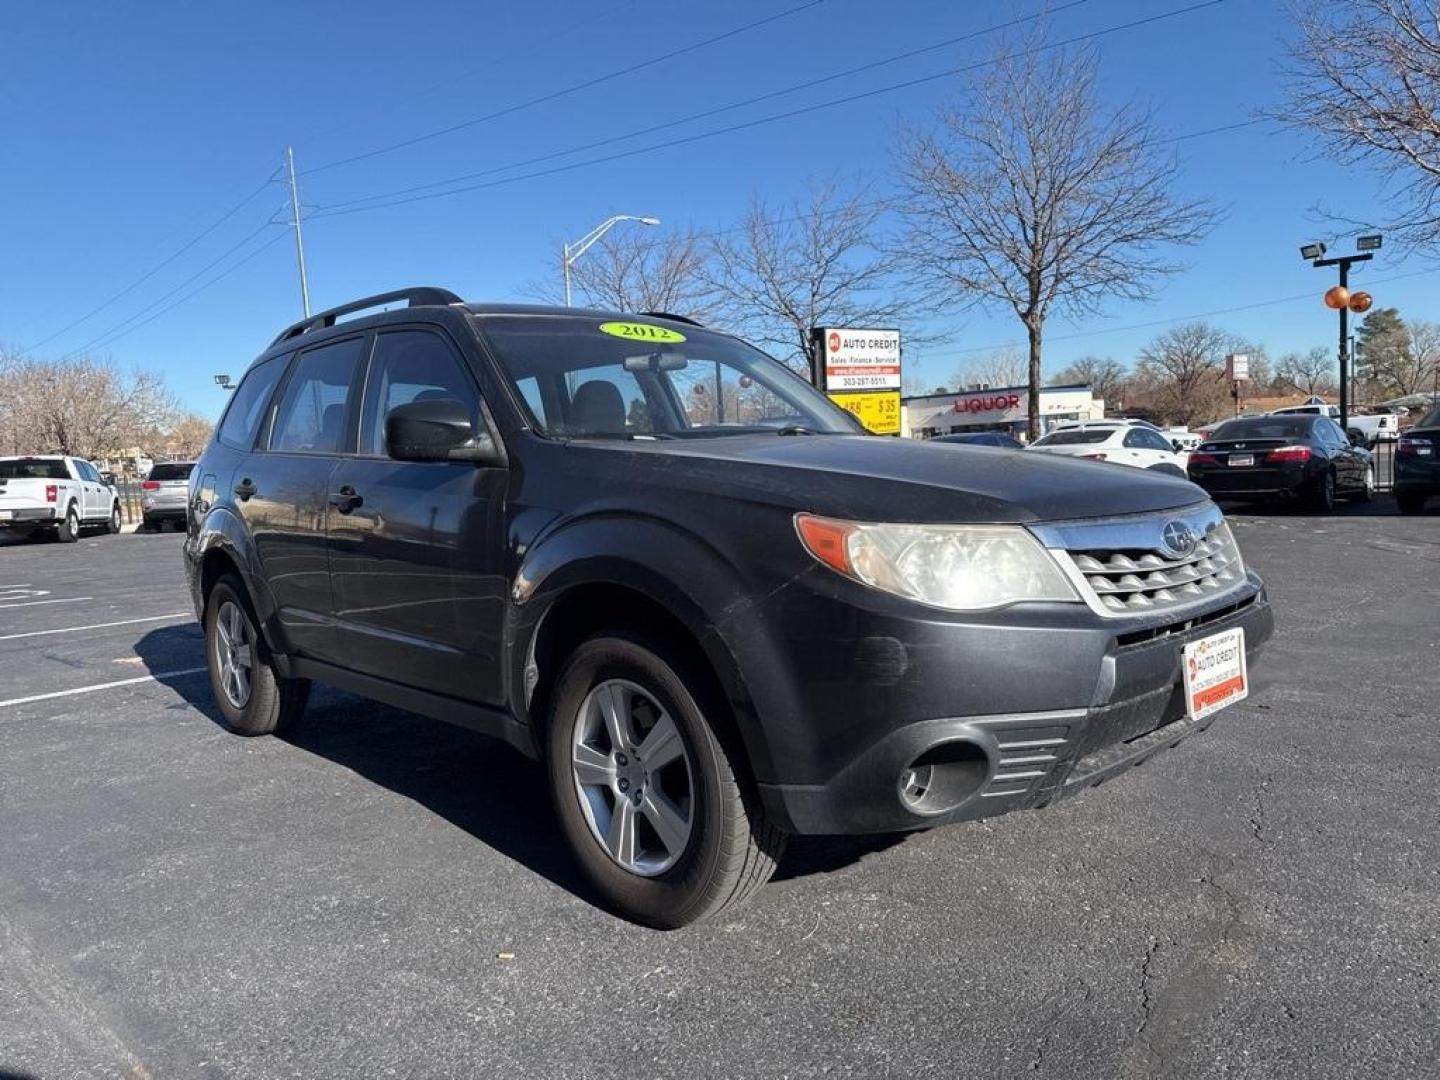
<point x="1381" y="506"/>
<point x="477" y="783"/>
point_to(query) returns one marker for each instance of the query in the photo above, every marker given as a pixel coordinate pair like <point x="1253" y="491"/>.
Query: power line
<point x="1155" y="323"/>
<point x="848" y="72"/>
<point x="575" y="88"/>
<point x="770" y="119"/>
<point x="106" y="337"/>
<point x="196" y="292"/>
<point x="154" y="269"/>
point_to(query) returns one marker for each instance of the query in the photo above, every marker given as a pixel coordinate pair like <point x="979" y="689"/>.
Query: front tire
<point x="652" y="801"/>
<point x="114" y="523"/>
<point x="252" y="697"/>
<point x="1367" y="492"/>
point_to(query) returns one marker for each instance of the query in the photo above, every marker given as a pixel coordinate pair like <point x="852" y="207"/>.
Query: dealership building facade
<point x="1005" y="409"/>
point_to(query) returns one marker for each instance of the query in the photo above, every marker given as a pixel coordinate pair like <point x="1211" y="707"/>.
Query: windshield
<point x="171" y="472"/>
<point x="1075" y="437"/>
<point x="1263" y="427"/>
<point x="586" y="377"/>
<point x="1432" y="419"/>
<point x="33" y="469"/>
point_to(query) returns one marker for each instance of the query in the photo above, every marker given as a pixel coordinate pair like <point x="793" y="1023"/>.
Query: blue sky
<point x="126" y="130"/>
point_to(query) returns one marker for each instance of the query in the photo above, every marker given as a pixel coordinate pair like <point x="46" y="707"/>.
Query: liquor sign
<point x="860" y="370"/>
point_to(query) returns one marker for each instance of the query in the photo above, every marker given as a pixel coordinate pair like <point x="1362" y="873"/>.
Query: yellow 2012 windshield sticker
<point x="635" y="331"/>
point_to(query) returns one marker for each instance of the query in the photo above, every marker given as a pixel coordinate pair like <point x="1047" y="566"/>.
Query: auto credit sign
<point x="854" y="360"/>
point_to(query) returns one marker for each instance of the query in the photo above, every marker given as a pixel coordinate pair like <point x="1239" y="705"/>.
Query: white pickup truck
<point x="52" y="493"/>
<point x="1382" y="427"/>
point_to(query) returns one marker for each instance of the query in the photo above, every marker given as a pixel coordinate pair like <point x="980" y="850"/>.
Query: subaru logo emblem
<point x="1179" y="537"/>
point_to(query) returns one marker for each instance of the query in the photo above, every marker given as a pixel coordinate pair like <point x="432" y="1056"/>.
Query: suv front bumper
<point x="1031" y="758"/>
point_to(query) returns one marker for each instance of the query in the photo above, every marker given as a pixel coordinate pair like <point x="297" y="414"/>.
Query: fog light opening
<point x="943" y="777"/>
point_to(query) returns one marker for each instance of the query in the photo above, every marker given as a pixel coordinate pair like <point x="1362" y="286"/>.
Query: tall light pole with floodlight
<point x="579" y="247"/>
<point x="1340" y="299"/>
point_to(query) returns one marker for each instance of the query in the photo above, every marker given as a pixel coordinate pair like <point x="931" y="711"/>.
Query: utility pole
<point x="299" y="237"/>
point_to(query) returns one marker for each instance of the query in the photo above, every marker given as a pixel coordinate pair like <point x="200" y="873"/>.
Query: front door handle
<point x="245" y="489"/>
<point x="345" y="499"/>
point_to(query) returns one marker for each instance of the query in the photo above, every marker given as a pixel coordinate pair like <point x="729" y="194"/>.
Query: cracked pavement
<point x="1263" y="901"/>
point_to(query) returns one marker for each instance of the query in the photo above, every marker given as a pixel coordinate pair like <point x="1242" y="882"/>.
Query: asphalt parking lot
<point x="380" y="895"/>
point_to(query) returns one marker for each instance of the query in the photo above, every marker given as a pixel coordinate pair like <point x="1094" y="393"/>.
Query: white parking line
<point x="101" y="686"/>
<point x="22" y="585"/>
<point x="34" y="603"/>
<point x="97" y="626"/>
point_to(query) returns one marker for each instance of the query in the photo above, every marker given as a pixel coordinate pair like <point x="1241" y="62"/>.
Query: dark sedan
<point x="983" y="438"/>
<point x="1417" y="464"/>
<point x="1283" y="457"/>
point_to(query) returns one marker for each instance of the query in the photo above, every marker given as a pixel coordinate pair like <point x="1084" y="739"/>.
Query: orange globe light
<point x="1337" y="298"/>
<point x="1360" y="302"/>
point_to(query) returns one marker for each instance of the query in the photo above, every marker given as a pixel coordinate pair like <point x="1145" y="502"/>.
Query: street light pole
<point x="1367" y="244"/>
<point x="571" y="252"/>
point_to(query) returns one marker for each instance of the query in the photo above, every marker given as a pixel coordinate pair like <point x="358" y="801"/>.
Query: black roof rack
<point x="673" y="318"/>
<point x="419" y="296"/>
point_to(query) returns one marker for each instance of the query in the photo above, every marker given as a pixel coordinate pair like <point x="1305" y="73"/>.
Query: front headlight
<point x="955" y="567"/>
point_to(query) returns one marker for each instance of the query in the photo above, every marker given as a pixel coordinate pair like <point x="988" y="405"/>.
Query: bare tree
<point x="187" y="436"/>
<point x="644" y="270"/>
<point x="1035" y="197"/>
<point x="86" y="407"/>
<point x="812" y="262"/>
<point x="1425" y="353"/>
<point x="1182" y="372"/>
<point x="1106" y="377"/>
<point x="998" y="367"/>
<point x="1310" y="373"/>
<point x="1364" y="76"/>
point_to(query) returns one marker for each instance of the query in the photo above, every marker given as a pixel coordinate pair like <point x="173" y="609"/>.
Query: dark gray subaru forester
<point x="651" y="556"/>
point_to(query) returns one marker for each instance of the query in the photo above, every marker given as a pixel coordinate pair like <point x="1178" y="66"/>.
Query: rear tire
<point x="251" y="696"/>
<point x="1411" y="504"/>
<point x="68" y="531"/>
<point x="1322" y="494"/>
<point x="688" y="835"/>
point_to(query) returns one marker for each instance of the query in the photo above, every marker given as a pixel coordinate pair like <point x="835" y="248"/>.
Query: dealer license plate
<point x="1215" y="673"/>
<point x="1241" y="461"/>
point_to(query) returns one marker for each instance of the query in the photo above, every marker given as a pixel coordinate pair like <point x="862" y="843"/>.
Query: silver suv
<point x="164" y="494"/>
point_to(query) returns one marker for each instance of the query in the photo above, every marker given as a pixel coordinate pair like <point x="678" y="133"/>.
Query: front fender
<point x="223" y="531"/>
<point x="669" y="565"/>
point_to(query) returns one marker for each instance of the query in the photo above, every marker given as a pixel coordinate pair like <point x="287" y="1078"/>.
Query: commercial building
<point x="1005" y="409"/>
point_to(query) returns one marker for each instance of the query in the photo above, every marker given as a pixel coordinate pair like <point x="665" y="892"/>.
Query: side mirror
<point x="1177" y="446"/>
<point x="438" y="430"/>
<point x="1358" y="438"/>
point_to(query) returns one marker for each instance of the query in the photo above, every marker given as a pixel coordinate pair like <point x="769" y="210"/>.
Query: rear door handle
<point x="345" y="499"/>
<point x="245" y="489"/>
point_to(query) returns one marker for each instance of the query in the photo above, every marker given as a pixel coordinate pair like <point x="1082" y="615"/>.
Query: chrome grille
<point x="1128" y="566"/>
<point x="1138" y="580"/>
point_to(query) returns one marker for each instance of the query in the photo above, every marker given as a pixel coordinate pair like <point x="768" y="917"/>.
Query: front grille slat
<point x="1139" y="580"/>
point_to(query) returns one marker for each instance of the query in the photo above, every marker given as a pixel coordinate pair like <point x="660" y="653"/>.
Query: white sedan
<point x="1139" y="446"/>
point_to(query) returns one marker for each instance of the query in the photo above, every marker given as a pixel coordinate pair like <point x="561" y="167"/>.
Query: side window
<point x="411" y="365"/>
<point x="1155" y="441"/>
<point x="311" y="416"/>
<point x="247" y="404"/>
<point x="1337" y="437"/>
<point x="86" y="472"/>
<point x="1135" y="439"/>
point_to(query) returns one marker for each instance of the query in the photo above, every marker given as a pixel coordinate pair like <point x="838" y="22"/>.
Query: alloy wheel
<point x="232" y="648"/>
<point x="633" y="777"/>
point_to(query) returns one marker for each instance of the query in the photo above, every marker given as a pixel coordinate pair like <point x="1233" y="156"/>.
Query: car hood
<point x="887" y="479"/>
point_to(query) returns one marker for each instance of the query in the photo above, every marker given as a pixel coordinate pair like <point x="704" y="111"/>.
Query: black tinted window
<point x="411" y="365"/>
<point x="171" y="471"/>
<point x="311" y="415"/>
<point x="1075" y="437"/>
<point x="1264" y="427"/>
<point x="33" y="469"/>
<point x="247" y="404"/>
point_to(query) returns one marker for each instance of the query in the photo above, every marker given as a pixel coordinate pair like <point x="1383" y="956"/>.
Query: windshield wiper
<point x="795" y="429"/>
